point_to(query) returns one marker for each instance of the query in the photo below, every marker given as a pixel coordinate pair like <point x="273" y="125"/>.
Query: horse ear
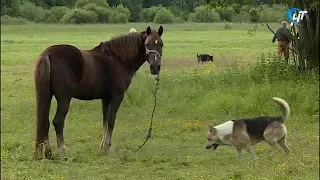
<point x="148" y="30"/>
<point x="160" y="30"/>
<point x="103" y="46"/>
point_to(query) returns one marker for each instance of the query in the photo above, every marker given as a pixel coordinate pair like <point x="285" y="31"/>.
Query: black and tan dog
<point x="245" y="133"/>
<point x="204" y="58"/>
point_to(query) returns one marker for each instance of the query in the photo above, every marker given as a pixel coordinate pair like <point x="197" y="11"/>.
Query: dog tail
<point x="285" y="108"/>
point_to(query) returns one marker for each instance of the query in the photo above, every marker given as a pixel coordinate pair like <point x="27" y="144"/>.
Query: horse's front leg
<point x="109" y="125"/>
<point x="105" y="112"/>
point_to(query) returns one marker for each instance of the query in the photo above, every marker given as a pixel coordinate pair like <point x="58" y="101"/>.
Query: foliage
<point x="10" y="7"/>
<point x="102" y="12"/>
<point x="118" y="18"/>
<point x="254" y="16"/>
<point x="275" y="13"/>
<point x="225" y="14"/>
<point x="82" y="3"/>
<point x="227" y="26"/>
<point x="179" y="13"/>
<point x="31" y="12"/>
<point x="79" y="16"/>
<point x="203" y="14"/>
<point x="121" y="9"/>
<point x="55" y="14"/>
<point x="148" y="14"/>
<point x="120" y="15"/>
<point x="6" y="19"/>
<point x="164" y="16"/>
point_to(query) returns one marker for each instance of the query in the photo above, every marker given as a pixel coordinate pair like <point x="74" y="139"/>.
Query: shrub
<point x="276" y="13"/>
<point x="242" y="17"/>
<point x="120" y="14"/>
<point x="102" y="12"/>
<point x="82" y="3"/>
<point x="181" y="15"/>
<point x="31" y="12"/>
<point x="254" y="16"/>
<point x="55" y="14"/>
<point x="202" y="14"/>
<point x="120" y="9"/>
<point x="272" y="69"/>
<point x="5" y="19"/>
<point x="225" y="14"/>
<point x="118" y="18"/>
<point x="148" y="14"/>
<point x="78" y="16"/>
<point x="164" y="16"/>
<point x="227" y="26"/>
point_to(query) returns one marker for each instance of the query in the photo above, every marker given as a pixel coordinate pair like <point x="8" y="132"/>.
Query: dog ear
<point x="211" y="129"/>
<point x="197" y="55"/>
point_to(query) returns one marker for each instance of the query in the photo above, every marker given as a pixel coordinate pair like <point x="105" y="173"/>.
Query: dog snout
<point x="209" y="146"/>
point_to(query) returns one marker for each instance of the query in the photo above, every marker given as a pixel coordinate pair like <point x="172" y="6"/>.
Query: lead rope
<point x="154" y="107"/>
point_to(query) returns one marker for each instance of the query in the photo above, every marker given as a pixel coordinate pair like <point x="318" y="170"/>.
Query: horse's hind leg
<point x="58" y="122"/>
<point x="43" y="125"/>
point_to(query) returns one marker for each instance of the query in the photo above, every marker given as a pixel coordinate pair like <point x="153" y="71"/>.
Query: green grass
<point x="190" y="97"/>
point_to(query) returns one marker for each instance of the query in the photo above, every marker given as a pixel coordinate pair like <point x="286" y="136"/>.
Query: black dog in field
<point x="204" y="58"/>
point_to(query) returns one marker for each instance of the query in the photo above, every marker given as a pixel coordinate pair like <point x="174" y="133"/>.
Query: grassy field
<point x="190" y="97"/>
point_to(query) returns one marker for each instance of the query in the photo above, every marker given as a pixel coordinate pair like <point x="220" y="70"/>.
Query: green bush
<point x="164" y="16"/>
<point x="242" y="17"/>
<point x="254" y="16"/>
<point x="102" y="12"/>
<point x="31" y="12"/>
<point x="276" y="13"/>
<point x="148" y="14"/>
<point x="180" y="14"/>
<point x="270" y="69"/>
<point x="203" y="14"/>
<point x="227" y="26"/>
<point x="6" y="19"/>
<point x="118" y="18"/>
<point x="55" y="14"/>
<point x="120" y="9"/>
<point x="82" y="3"/>
<point x="79" y="16"/>
<point x="120" y="14"/>
<point x="225" y="14"/>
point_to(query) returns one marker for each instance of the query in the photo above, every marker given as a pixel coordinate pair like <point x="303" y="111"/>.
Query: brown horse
<point x="104" y="72"/>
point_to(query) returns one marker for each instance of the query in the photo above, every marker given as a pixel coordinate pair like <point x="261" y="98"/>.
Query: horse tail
<point x="285" y="108"/>
<point x="42" y="84"/>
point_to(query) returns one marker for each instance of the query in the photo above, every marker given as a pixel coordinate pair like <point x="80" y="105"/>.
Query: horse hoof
<point x="62" y="151"/>
<point x="48" y="154"/>
<point x="39" y="152"/>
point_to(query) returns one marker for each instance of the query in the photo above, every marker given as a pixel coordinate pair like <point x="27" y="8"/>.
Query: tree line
<point x="122" y="11"/>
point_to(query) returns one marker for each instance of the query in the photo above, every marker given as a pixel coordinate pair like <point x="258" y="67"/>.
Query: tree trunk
<point x="308" y="45"/>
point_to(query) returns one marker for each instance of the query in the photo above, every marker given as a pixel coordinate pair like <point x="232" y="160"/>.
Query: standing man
<point x="284" y="37"/>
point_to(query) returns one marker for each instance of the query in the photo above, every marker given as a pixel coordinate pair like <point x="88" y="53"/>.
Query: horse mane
<point x="126" y="47"/>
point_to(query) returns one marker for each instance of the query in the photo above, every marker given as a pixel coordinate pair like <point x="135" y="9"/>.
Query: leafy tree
<point x="203" y="14"/>
<point x="164" y="16"/>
